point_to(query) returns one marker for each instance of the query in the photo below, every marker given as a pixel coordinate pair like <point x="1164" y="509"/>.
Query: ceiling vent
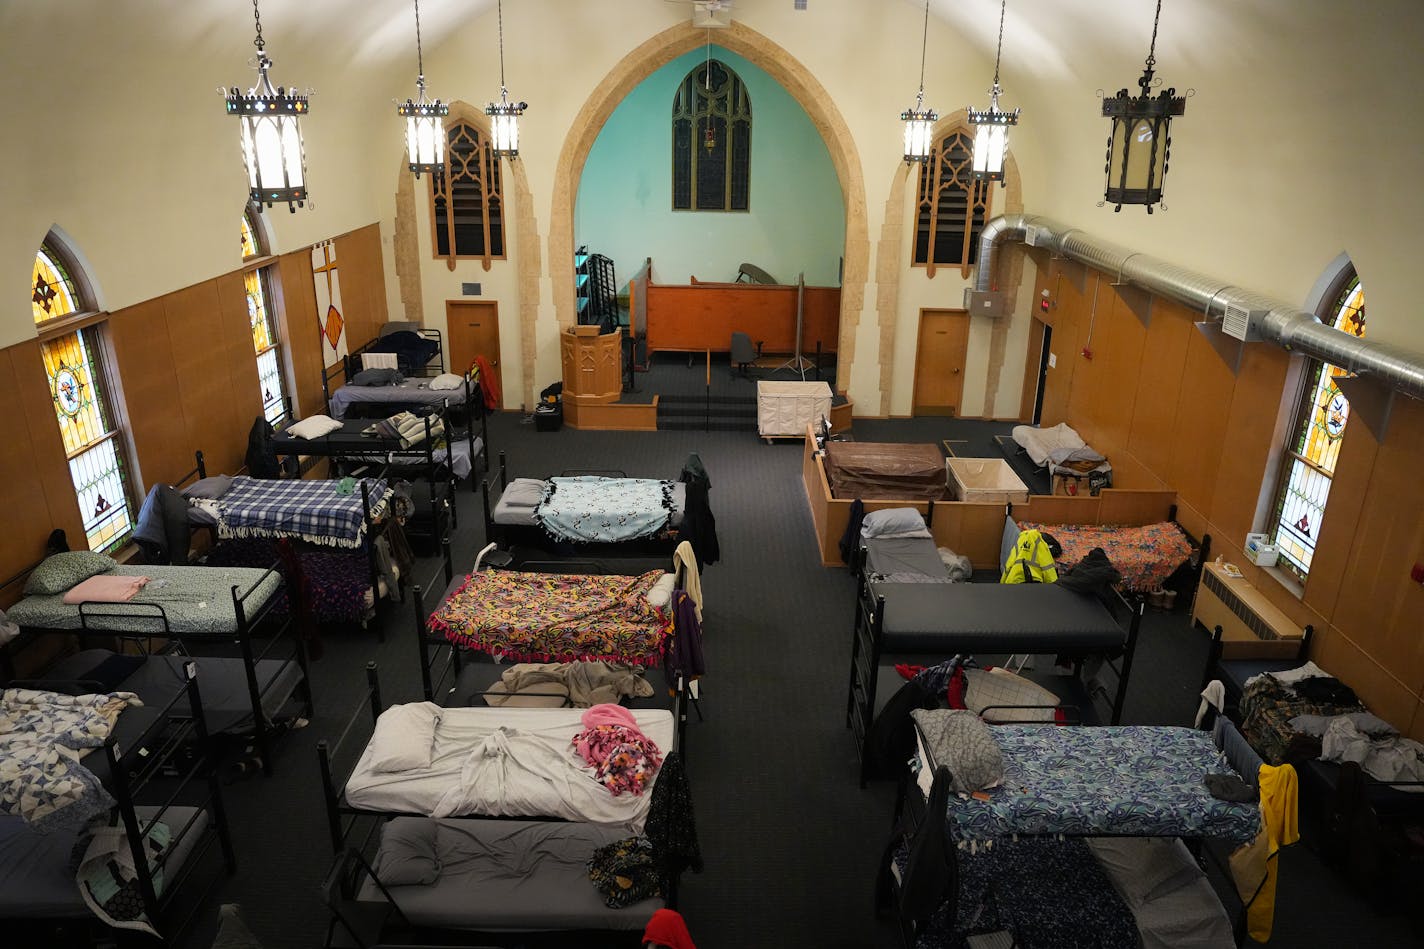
<point x="1242" y="323"/>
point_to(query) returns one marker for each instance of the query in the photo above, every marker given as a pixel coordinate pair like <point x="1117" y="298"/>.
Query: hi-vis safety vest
<point x="1030" y="561"/>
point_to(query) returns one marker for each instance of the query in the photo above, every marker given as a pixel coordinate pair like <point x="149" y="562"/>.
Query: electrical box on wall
<point x="984" y="302"/>
<point x="470" y="289"/>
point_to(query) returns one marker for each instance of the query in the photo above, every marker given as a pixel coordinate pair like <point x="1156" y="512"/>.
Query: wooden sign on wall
<point x="331" y="322"/>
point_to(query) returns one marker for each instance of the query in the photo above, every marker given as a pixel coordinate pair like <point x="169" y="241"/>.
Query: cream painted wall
<point x="131" y="98"/>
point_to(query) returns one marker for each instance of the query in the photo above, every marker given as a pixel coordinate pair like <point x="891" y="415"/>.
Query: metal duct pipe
<point x="1284" y="324"/>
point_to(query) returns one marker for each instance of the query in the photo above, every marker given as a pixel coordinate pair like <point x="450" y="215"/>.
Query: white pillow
<point x="894" y="522"/>
<point x="404" y="737"/>
<point x="447" y="380"/>
<point x="661" y="594"/>
<point x="313" y="427"/>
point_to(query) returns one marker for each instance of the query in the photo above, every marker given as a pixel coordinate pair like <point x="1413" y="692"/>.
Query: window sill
<point x="1288" y="582"/>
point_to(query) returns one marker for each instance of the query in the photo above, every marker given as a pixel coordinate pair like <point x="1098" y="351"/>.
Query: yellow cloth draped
<point x="1254" y="865"/>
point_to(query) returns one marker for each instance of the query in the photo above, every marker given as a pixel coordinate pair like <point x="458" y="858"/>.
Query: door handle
<point x="956" y="372"/>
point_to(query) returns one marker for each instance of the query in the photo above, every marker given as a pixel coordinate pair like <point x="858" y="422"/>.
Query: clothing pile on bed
<point x="408" y="428"/>
<point x="1145" y="556"/>
<point x="622" y="757"/>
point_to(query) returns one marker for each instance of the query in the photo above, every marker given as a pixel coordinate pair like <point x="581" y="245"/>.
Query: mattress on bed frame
<point x="885" y="471"/>
<point x="993" y="617"/>
<point x="222" y="683"/>
<point x="37" y="875"/>
<point x="516" y="504"/>
<point x="511" y="876"/>
<point x="894" y="557"/>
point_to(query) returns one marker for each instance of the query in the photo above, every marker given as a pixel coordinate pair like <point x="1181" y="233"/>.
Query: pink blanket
<point x="105" y="588"/>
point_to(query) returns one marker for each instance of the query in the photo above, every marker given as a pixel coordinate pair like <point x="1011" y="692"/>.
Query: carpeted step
<point x="697" y="425"/>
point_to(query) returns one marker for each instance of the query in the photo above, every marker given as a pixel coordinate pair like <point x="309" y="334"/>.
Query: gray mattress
<point x="991" y="617"/>
<point x="411" y="392"/>
<point x="905" y="555"/>
<point x="516" y="504"/>
<point x="222" y="684"/>
<point x="502" y="875"/>
<point x="194" y="599"/>
<point x="37" y="874"/>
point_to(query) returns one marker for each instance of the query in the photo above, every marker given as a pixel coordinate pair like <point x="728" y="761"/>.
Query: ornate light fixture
<point x="271" y="137"/>
<point x="1140" y="141"/>
<point x="991" y="126"/>
<point x="424" y="130"/>
<point x="919" y="121"/>
<point x="504" y="115"/>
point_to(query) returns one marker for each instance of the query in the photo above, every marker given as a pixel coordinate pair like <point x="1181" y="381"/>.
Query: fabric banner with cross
<point x="331" y="323"/>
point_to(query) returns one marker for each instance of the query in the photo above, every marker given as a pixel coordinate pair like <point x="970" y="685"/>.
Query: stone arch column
<point x="796" y="79"/>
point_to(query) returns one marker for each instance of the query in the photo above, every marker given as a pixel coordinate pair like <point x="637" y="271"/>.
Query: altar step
<point x="720" y="413"/>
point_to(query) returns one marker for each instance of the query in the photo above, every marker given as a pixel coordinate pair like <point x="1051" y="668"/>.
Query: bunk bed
<point x="464" y="394"/>
<point x="419" y="350"/>
<point x="1146" y="555"/>
<point x="930" y="622"/>
<point x="158" y="832"/>
<point x="180" y="611"/>
<point x="1133" y="793"/>
<point x="513" y="860"/>
<point x="643" y="520"/>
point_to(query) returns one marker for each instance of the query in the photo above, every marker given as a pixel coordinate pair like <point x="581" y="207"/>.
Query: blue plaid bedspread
<point x="309" y="509"/>
<point x="1133" y="780"/>
<point x="604" y="510"/>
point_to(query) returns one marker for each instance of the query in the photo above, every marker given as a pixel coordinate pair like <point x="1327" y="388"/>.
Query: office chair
<point x="743" y="352"/>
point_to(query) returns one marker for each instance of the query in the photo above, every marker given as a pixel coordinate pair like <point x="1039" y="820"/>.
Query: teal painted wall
<point x="624" y="206"/>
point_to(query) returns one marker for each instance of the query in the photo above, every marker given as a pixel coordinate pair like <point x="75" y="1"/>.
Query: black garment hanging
<point x="261" y="456"/>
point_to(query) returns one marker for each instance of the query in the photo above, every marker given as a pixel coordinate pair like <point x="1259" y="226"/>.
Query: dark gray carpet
<point x="791" y="843"/>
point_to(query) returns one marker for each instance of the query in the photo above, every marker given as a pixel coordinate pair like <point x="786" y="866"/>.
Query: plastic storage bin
<point x="985" y="480"/>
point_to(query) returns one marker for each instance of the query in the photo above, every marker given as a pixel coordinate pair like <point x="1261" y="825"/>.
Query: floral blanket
<point x="1132" y="780"/>
<point x="1145" y="556"/>
<point x="604" y="510"/>
<point x="42" y="737"/>
<point x="551" y="617"/>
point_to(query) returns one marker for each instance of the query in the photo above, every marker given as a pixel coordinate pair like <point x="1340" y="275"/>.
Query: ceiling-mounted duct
<point x="1270" y="320"/>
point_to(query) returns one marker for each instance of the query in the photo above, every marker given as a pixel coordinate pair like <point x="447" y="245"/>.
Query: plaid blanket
<point x="309" y="509"/>
<point x="42" y="737"/>
<point x="553" y="617"/>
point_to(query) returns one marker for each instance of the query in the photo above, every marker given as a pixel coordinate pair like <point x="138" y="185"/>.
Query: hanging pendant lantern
<point x="991" y="125"/>
<point x="424" y="120"/>
<point x="1140" y="141"/>
<point x="504" y="115"/>
<point x="271" y="135"/>
<point x="919" y="121"/>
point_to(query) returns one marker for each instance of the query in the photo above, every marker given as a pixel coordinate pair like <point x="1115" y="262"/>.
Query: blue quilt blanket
<point x="1133" y="780"/>
<point x="604" y="510"/>
<point x="312" y="510"/>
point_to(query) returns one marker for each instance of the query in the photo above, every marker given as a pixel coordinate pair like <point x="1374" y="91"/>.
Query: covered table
<point x="784" y="409"/>
<point x="885" y="471"/>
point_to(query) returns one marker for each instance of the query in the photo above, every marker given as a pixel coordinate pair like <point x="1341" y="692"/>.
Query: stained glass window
<point x="711" y="141"/>
<point x="53" y="295"/>
<point x="1314" y="448"/>
<point x="264" y="344"/>
<point x="467" y="203"/>
<point x="951" y="204"/>
<point x="249" y="237"/>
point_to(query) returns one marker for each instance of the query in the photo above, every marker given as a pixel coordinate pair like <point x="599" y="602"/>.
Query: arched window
<point x="951" y="205"/>
<point x="75" y="366"/>
<point x="711" y="141"/>
<point x="466" y="199"/>
<point x="265" y="342"/>
<point x="1315" y="439"/>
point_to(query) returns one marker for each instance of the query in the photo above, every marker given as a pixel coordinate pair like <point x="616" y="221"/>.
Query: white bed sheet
<point x="1040" y="443"/>
<point x="570" y="792"/>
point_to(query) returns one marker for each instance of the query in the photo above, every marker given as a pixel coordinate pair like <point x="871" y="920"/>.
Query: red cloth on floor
<point x="667" y="928"/>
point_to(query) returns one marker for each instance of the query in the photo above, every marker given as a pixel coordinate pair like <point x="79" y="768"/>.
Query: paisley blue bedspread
<point x="604" y="510"/>
<point x="1132" y="780"/>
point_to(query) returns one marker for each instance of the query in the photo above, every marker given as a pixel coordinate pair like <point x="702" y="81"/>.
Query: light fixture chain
<point x="419" y="56"/>
<point x="924" y="44"/>
<point x="500" y="8"/>
<point x="998" y="54"/>
<point x="1152" y="50"/>
<point x="257" y="16"/>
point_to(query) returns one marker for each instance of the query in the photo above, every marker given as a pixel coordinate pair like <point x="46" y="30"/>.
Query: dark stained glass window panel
<point x="711" y="141"/>
<point x="467" y="204"/>
<point x="952" y="205"/>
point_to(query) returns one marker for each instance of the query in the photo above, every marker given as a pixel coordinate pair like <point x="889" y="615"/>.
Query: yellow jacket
<point x="1030" y="561"/>
<point x="1254" y="865"/>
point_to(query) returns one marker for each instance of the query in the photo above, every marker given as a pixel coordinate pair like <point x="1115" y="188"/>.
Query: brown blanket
<point x="885" y="471"/>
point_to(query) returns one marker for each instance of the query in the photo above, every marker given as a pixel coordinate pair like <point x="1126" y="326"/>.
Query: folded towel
<point x="105" y="588"/>
<point x="379" y="361"/>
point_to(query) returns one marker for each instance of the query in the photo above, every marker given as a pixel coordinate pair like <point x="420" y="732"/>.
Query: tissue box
<point x="1260" y="551"/>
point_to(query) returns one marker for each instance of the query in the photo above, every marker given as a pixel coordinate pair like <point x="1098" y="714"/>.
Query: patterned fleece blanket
<point x="550" y="617"/>
<point x="313" y="510"/>
<point x="42" y="737"/>
<point x="604" y="510"/>
<point x="1145" y="556"/>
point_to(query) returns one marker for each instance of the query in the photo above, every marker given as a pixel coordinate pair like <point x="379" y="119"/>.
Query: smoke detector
<point x="712" y="14"/>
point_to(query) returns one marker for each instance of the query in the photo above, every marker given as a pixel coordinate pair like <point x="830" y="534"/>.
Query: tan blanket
<point x="585" y="684"/>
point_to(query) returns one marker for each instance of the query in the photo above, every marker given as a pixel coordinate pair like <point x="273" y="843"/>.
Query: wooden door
<point x="939" y="361"/>
<point x="473" y="330"/>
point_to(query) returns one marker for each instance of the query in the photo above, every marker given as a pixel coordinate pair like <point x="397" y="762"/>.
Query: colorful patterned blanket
<point x="310" y="509"/>
<point x="1132" y="780"/>
<point x="1145" y="556"/>
<point x="604" y="510"/>
<point x="549" y="617"/>
<point x="1267" y="707"/>
<point x="42" y="737"/>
